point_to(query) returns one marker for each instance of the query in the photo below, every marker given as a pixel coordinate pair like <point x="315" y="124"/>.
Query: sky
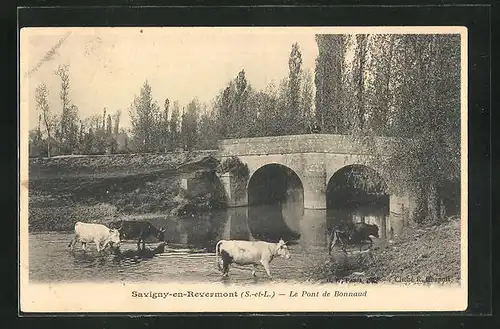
<point x="109" y="65"/>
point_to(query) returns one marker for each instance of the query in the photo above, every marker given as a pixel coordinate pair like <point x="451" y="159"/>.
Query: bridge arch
<point x="355" y="193"/>
<point x="275" y="195"/>
<point x="266" y="165"/>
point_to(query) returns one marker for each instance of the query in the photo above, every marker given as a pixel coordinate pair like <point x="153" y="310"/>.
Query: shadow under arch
<point x="275" y="203"/>
<point x="358" y="193"/>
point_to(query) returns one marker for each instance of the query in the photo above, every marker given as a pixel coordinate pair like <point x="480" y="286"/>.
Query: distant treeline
<point x="403" y="86"/>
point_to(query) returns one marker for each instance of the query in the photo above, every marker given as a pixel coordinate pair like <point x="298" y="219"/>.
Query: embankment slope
<point x="63" y="190"/>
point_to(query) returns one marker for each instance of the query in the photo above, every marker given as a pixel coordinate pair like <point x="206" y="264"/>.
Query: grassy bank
<point x="64" y="190"/>
<point x="429" y="254"/>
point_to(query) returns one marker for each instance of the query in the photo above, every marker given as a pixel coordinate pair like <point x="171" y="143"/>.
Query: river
<point x="189" y="256"/>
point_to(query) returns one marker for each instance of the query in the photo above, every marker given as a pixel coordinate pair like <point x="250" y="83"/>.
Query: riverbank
<point x="64" y="190"/>
<point x="420" y="254"/>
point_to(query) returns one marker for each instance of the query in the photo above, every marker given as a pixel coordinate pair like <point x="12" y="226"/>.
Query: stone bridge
<point x="311" y="161"/>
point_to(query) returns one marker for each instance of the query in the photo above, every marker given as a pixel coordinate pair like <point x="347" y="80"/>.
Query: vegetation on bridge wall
<point x="235" y="167"/>
<point x="239" y="173"/>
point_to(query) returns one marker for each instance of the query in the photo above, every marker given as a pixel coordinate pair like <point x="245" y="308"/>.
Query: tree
<point x="111" y="144"/>
<point x="104" y="120"/>
<point x="224" y="103"/>
<point x="189" y="125"/>
<point x="329" y="79"/>
<point x="88" y="142"/>
<point x="144" y="114"/>
<point x="241" y="119"/>
<point x="165" y="124"/>
<point x="406" y="87"/>
<point x="81" y="136"/>
<point x="69" y="116"/>
<point x="116" y="119"/>
<point x="382" y="62"/>
<point x="306" y="102"/>
<point x="174" y="126"/>
<point x="265" y="103"/>
<point x="293" y="115"/>
<point x="109" y="125"/>
<point x="281" y="111"/>
<point x="208" y="132"/>
<point x="41" y="96"/>
<point x="359" y="80"/>
<point x="36" y="148"/>
<point x="425" y="119"/>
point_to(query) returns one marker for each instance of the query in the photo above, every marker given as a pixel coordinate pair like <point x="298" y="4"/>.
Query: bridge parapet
<point x="311" y="143"/>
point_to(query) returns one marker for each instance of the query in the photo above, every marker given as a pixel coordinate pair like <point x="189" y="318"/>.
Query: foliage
<point x="234" y="166"/>
<point x="144" y="114"/>
<point x="189" y="124"/>
<point x="293" y="113"/>
<point x="330" y="76"/>
<point x="41" y="95"/>
<point x="408" y="87"/>
<point x="174" y="126"/>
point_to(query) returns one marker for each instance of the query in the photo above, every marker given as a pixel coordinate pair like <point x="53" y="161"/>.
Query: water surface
<point x="190" y="254"/>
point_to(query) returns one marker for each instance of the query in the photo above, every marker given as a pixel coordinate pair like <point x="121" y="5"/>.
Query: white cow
<point x="249" y="252"/>
<point x="101" y="235"/>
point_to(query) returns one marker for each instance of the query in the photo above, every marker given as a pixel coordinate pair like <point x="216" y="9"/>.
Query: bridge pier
<point x="314" y="191"/>
<point x="313" y="174"/>
<point x="236" y="193"/>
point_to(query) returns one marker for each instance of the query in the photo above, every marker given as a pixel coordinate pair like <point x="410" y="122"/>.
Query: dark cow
<point x="138" y="230"/>
<point x="249" y="252"/>
<point x="357" y="234"/>
<point x="142" y="253"/>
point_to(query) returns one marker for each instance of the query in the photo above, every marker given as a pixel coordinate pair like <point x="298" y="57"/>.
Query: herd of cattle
<point x="239" y="252"/>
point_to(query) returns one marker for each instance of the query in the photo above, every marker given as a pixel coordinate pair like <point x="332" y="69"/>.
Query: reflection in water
<point x="313" y="229"/>
<point x="275" y="198"/>
<point x="268" y="223"/>
<point x="236" y="226"/>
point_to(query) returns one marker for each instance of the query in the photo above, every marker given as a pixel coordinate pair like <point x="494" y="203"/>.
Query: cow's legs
<point x="98" y="245"/>
<point x="225" y="268"/>
<point x="72" y="243"/>
<point x="254" y="269"/>
<point x="84" y="246"/>
<point x="266" y="267"/>
<point x="139" y="243"/>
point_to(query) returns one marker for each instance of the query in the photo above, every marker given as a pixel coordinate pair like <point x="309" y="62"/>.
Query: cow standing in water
<point x="143" y="253"/>
<point x="140" y="230"/>
<point x="101" y="235"/>
<point x="358" y="233"/>
<point x="249" y="252"/>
